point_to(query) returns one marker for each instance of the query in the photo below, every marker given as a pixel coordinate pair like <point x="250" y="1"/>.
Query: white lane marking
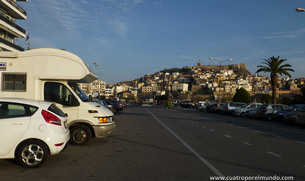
<point x="300" y="142"/>
<point x="208" y="164"/>
<point x="212" y="130"/>
<point x="277" y="136"/>
<point x="246" y="143"/>
<point x="228" y="136"/>
<point x="274" y="154"/>
<point x="256" y="131"/>
<point x="203" y="126"/>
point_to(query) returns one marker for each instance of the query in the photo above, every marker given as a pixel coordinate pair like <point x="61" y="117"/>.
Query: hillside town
<point x="200" y="82"/>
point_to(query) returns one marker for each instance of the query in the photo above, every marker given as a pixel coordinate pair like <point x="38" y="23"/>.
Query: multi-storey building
<point x="10" y="11"/>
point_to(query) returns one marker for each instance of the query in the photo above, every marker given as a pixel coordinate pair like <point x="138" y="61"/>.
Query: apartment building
<point x="10" y="11"/>
<point x="183" y="87"/>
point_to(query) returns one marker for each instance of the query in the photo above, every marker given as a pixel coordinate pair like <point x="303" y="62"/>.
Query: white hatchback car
<point x="31" y="130"/>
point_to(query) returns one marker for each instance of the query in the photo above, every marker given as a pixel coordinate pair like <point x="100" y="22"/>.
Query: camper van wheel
<point x="80" y="135"/>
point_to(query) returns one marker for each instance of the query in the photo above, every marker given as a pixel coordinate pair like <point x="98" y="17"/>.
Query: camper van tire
<point x="80" y="135"/>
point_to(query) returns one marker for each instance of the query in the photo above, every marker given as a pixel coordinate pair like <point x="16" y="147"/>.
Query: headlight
<point x="105" y="120"/>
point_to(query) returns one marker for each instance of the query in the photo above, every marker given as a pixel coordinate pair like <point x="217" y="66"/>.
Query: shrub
<point x="242" y="95"/>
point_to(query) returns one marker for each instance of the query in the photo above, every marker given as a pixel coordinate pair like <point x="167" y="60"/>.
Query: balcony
<point x="6" y="45"/>
<point x="13" y="9"/>
<point x="11" y="27"/>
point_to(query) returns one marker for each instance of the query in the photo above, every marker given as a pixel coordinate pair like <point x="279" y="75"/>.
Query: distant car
<point x="241" y="111"/>
<point x="251" y="113"/>
<point x="203" y="106"/>
<point x="209" y="106"/>
<point x="266" y="111"/>
<point x="105" y="104"/>
<point x="216" y="108"/>
<point x="279" y="115"/>
<point x="116" y="105"/>
<point x="187" y="105"/>
<point x="31" y="130"/>
<point x="297" y="116"/>
<point x="229" y="107"/>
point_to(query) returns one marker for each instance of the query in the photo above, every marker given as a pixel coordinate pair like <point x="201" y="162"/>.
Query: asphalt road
<point x="176" y="144"/>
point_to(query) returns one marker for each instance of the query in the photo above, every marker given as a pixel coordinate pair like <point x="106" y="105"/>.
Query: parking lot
<point x="176" y="144"/>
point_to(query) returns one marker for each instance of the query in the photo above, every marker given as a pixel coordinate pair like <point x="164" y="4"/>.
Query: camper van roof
<point x="61" y="64"/>
<point x="39" y="52"/>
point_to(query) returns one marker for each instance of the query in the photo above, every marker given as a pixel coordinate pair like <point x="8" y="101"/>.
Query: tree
<point x="266" y="99"/>
<point x="242" y="95"/>
<point x="274" y="66"/>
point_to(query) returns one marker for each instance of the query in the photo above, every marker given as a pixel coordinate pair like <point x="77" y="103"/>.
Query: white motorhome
<point x="52" y="75"/>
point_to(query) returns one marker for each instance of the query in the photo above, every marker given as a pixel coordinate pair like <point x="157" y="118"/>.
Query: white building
<point x="180" y="87"/>
<point x="9" y="30"/>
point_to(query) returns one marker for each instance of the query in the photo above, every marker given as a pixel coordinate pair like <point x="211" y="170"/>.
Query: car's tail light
<point x="227" y="107"/>
<point x="264" y="110"/>
<point x="50" y="118"/>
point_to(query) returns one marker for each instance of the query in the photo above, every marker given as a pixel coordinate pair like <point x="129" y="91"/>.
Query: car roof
<point x="27" y="101"/>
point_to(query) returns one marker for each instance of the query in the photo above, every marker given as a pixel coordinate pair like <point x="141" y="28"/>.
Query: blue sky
<point x="130" y="38"/>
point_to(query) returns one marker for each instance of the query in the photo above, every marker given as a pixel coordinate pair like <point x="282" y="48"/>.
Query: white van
<point x="52" y="75"/>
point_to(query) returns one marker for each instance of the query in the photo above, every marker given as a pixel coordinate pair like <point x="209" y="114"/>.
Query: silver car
<point x="241" y="111"/>
<point x="297" y="116"/>
<point x="266" y="111"/>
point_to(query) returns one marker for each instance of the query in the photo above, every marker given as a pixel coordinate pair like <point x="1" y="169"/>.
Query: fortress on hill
<point x="239" y="69"/>
<point x="209" y="67"/>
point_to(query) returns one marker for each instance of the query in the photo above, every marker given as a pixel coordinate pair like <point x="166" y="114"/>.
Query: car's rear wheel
<point x="269" y="117"/>
<point x="80" y="135"/>
<point x="32" y="154"/>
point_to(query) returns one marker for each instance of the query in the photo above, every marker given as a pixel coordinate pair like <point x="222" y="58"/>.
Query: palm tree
<point x="275" y="67"/>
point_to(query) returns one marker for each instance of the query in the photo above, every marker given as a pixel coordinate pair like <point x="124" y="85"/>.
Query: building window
<point x="14" y="82"/>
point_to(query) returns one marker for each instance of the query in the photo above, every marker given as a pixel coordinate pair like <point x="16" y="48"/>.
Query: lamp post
<point x="219" y="100"/>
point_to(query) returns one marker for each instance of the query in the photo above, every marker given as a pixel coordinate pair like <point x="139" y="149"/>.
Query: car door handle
<point x="19" y="123"/>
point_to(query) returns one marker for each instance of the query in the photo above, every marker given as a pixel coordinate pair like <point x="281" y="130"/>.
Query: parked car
<point x="229" y="107"/>
<point x="115" y="104"/>
<point x="241" y="111"/>
<point x="297" y="116"/>
<point x="216" y="108"/>
<point x="187" y="105"/>
<point x="203" y="106"/>
<point x="209" y="106"/>
<point x="279" y="115"/>
<point x="251" y="113"/>
<point x="266" y="111"/>
<point x="31" y="130"/>
<point x="106" y="104"/>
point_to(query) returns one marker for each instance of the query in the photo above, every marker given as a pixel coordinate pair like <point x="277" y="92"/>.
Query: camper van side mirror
<point x="72" y="101"/>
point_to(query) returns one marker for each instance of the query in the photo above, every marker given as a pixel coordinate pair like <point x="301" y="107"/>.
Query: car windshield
<point x="244" y="106"/>
<point x="287" y="108"/>
<point x="79" y="92"/>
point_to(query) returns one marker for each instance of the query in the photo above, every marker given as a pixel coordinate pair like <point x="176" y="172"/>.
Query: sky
<point x="123" y="40"/>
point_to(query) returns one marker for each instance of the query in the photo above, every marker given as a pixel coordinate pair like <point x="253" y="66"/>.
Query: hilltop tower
<point x="9" y="30"/>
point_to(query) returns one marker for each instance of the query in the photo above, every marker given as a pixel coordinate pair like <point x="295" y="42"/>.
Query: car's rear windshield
<point x="53" y="108"/>
<point x="263" y="106"/>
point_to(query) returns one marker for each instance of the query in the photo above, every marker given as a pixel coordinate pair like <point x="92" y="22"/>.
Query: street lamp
<point x="220" y="61"/>
<point x="300" y="10"/>
<point x="219" y="71"/>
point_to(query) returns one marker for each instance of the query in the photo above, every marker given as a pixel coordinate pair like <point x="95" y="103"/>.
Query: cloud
<point x="61" y="17"/>
<point x="284" y="35"/>
<point x="119" y="27"/>
<point x="188" y="57"/>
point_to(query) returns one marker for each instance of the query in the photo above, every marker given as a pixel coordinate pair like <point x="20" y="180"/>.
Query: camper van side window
<point x="57" y="92"/>
<point x="14" y="82"/>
